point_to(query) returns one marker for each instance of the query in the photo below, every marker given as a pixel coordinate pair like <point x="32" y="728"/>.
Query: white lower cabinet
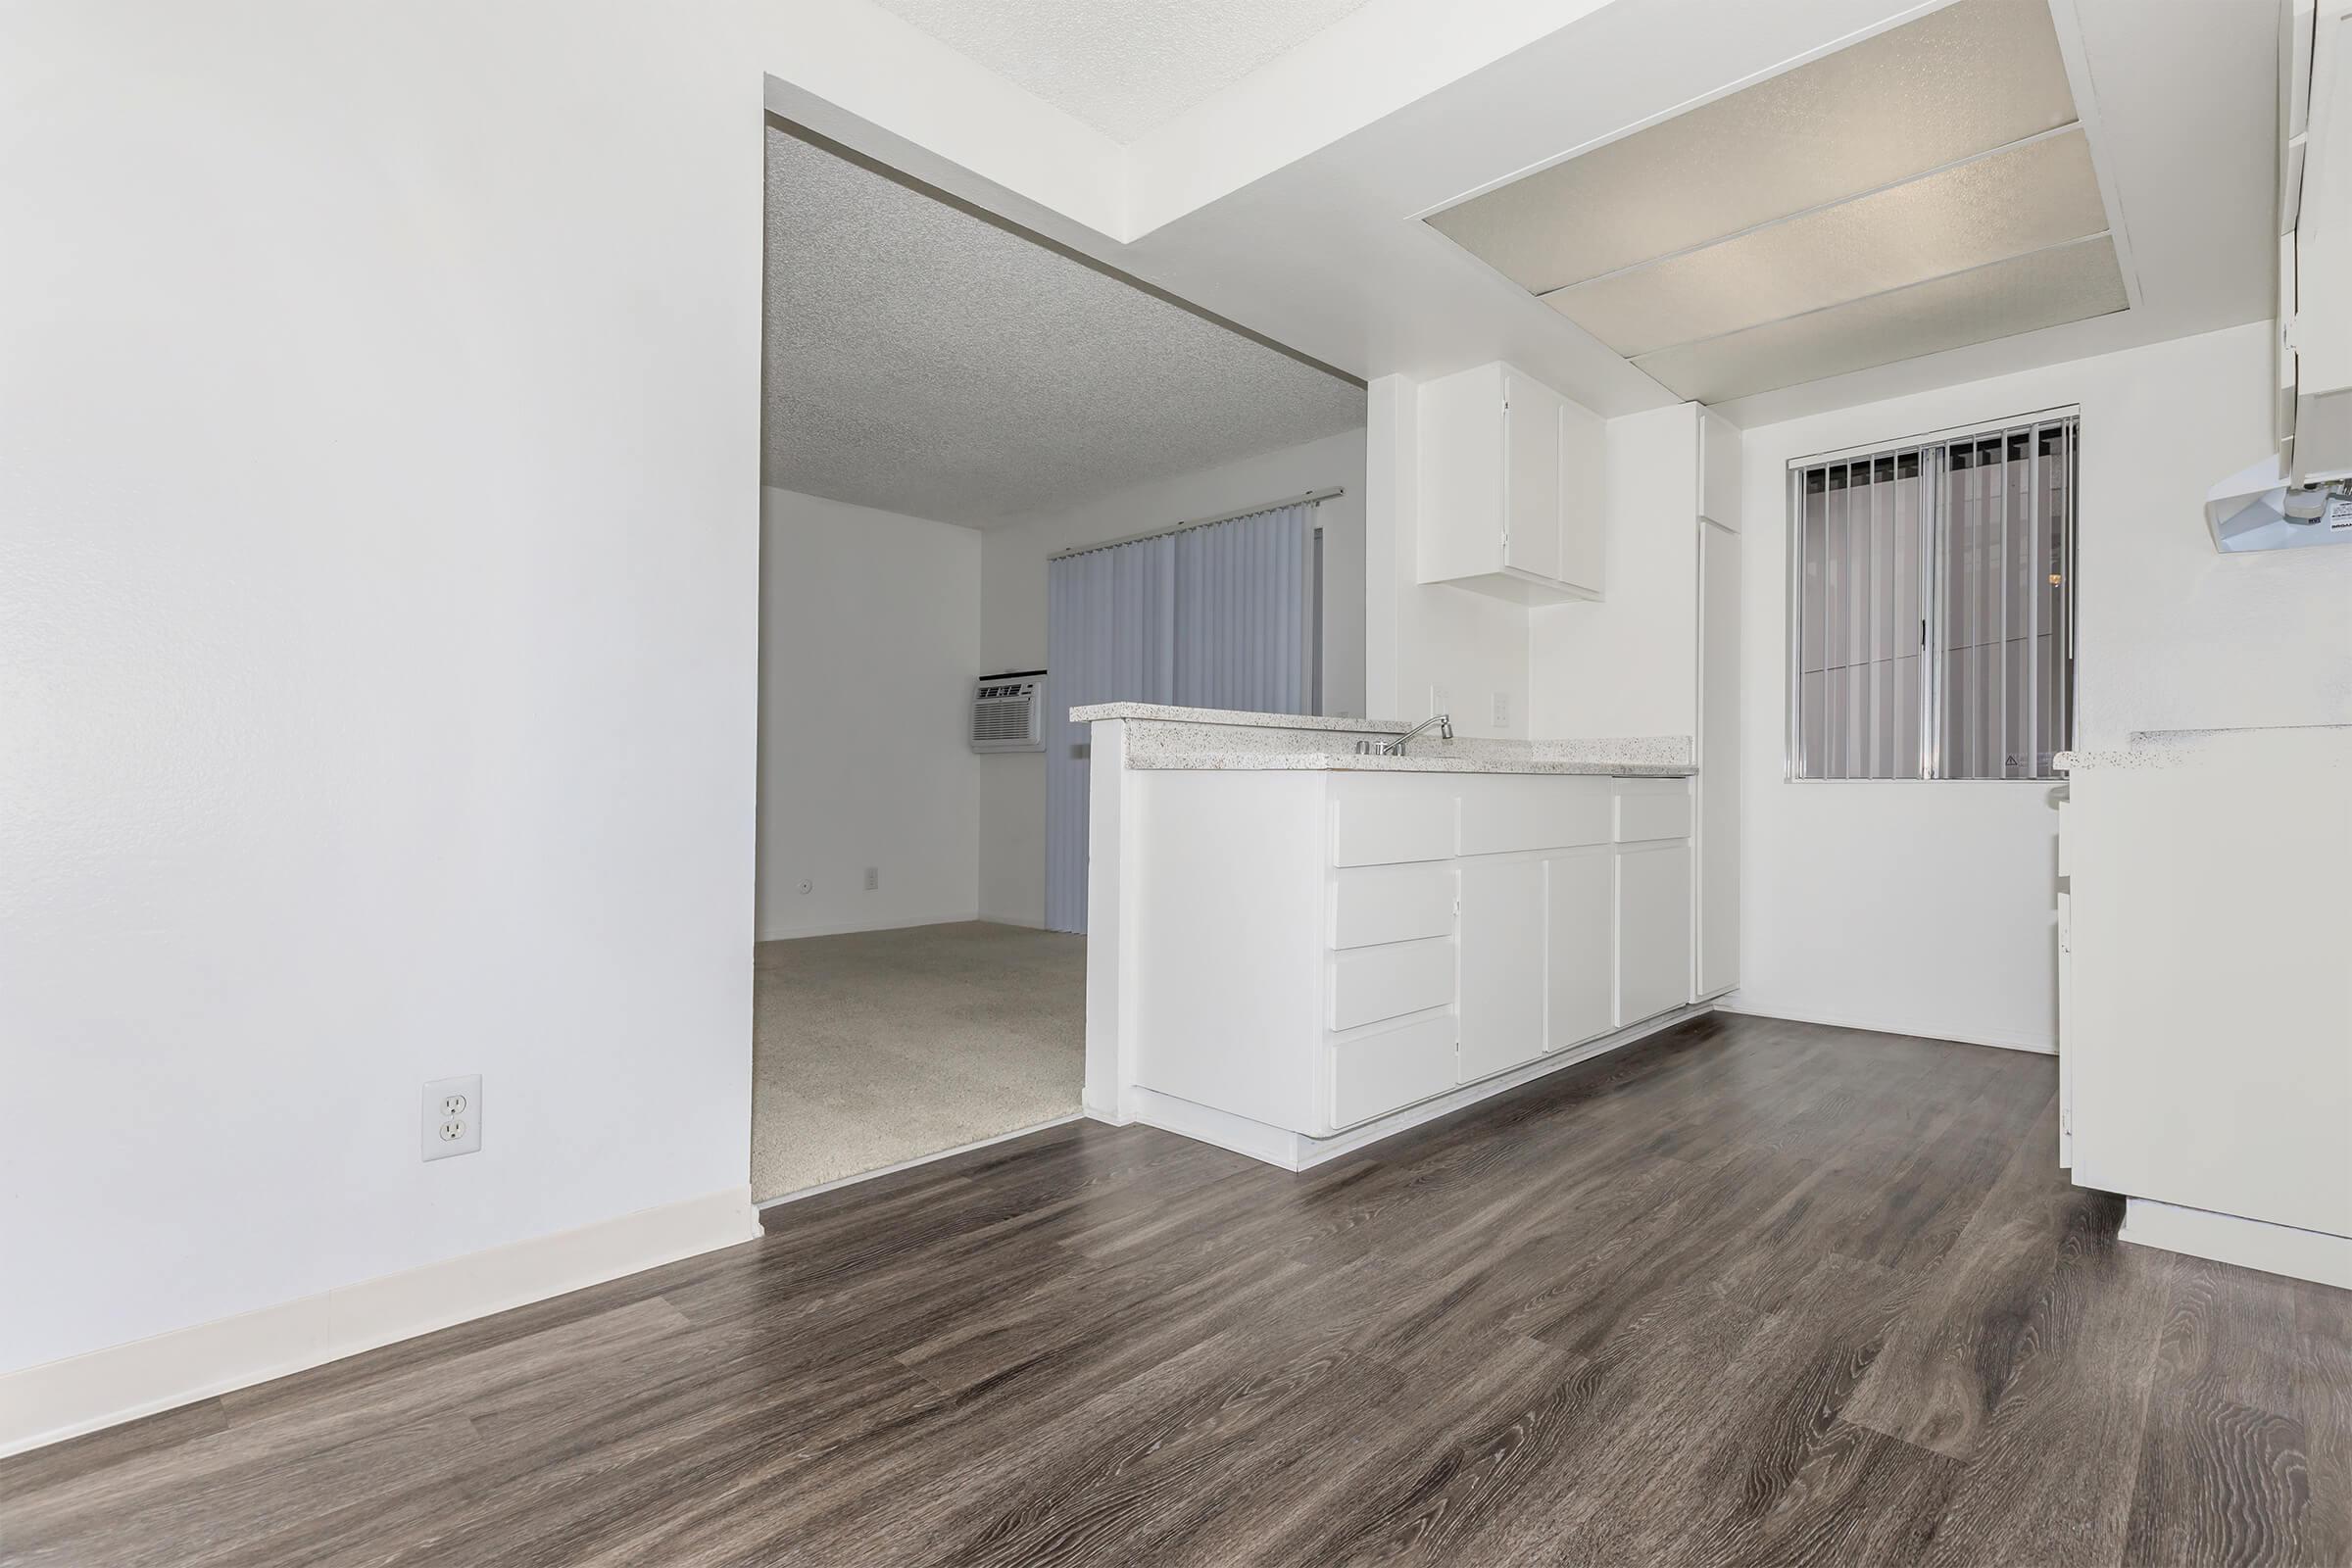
<point x="1580" y="945"/>
<point x="1503" y="952"/>
<point x="1311" y="952"/>
<point x="1653" y="929"/>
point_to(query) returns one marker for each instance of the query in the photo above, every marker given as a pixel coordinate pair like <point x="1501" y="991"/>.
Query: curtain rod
<point x="1202" y="523"/>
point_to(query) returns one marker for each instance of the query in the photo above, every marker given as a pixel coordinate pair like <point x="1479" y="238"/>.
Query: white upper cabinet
<point x="1510" y="491"/>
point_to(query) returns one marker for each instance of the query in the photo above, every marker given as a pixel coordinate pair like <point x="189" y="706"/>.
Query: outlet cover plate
<point x="451" y="1103"/>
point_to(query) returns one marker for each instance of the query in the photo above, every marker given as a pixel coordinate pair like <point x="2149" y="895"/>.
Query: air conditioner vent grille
<point x="1009" y="713"/>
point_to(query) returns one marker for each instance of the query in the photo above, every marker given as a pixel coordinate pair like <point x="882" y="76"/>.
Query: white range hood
<point x="2313" y="394"/>
<point x="2257" y="508"/>
<point x="2301" y="495"/>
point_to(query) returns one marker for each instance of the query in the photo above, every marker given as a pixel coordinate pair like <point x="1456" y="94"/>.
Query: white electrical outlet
<point x="873" y="878"/>
<point x="1503" y="709"/>
<point x="453" y="1117"/>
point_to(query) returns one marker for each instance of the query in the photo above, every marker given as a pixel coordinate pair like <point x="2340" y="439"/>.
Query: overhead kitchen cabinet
<point x="1511" y="495"/>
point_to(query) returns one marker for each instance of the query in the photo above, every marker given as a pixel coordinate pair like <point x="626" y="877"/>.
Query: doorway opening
<point x="955" y="409"/>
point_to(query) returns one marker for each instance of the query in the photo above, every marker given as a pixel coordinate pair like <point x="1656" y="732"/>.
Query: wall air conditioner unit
<point x="1008" y="712"/>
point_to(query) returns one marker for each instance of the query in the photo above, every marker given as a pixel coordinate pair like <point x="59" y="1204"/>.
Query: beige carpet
<point x="883" y="1046"/>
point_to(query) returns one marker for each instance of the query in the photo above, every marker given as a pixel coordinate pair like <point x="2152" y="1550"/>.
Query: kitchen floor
<point x="880" y="1046"/>
<point x="1748" y="1291"/>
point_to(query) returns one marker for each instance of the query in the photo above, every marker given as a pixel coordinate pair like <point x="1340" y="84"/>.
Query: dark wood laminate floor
<point x="1750" y="1293"/>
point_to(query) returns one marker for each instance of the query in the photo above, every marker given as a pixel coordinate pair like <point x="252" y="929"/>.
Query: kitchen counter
<point x="1294" y="950"/>
<point x="2179" y="747"/>
<point x="1217" y="739"/>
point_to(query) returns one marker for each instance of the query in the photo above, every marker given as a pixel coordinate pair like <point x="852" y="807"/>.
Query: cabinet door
<point x="1583" y="521"/>
<point x="1654" y="930"/>
<point x="1579" y="948"/>
<point x="1460" y="419"/>
<point x="1501" y="986"/>
<point x="1531" y="447"/>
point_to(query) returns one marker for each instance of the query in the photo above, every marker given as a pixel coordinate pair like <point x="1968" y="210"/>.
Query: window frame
<point x="1931" y="587"/>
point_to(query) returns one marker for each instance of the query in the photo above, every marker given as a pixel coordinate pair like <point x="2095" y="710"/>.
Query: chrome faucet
<point x="1395" y="748"/>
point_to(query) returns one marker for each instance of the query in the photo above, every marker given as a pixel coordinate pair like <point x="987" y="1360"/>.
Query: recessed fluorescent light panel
<point x="1923" y="189"/>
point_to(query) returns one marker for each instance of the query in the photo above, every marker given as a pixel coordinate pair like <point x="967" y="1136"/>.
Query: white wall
<point x="1628" y="662"/>
<point x="379" y="396"/>
<point x="1927" y="907"/>
<point x="1012" y="622"/>
<point x="869" y="637"/>
<point x="1433" y="644"/>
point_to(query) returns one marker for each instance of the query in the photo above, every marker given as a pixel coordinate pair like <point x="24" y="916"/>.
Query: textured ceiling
<point x="1124" y="67"/>
<point x="928" y="360"/>
<point x="1926" y="188"/>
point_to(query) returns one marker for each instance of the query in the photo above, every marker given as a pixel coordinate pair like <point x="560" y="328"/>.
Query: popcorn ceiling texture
<point x="926" y="362"/>
<point x="1124" y="67"/>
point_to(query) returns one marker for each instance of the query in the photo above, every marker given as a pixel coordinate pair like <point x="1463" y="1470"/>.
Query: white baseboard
<point x="60" y="1399"/>
<point x="842" y="928"/>
<point x="2247" y="1242"/>
<point x="1292" y="1151"/>
<point x="920" y="1159"/>
<point x="1206" y="1124"/>
<point x="1918" y="1029"/>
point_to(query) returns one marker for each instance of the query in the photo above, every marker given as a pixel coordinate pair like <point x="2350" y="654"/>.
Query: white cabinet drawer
<point x="1645" y="814"/>
<point x="1377" y="1073"/>
<point x="1502" y="815"/>
<point x="1391" y="904"/>
<point x="1388" y="821"/>
<point x="1369" y="984"/>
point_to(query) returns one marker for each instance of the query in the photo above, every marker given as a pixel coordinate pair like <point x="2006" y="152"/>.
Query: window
<point x="1932" y="607"/>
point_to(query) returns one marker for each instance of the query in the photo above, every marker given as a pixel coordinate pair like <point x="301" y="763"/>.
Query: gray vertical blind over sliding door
<point x="1222" y="616"/>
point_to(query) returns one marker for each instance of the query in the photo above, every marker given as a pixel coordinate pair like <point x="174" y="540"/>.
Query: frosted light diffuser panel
<point x="1963" y="81"/>
<point x="1992" y="208"/>
<point x="1923" y="189"/>
<point x="2019" y="295"/>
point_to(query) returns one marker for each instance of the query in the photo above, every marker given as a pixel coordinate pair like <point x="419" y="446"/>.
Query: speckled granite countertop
<point x="1217" y="739"/>
<point x="1240" y="720"/>
<point x="2177" y="748"/>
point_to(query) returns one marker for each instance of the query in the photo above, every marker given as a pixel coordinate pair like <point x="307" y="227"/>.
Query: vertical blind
<point x="1932" y="612"/>
<point x="1222" y="616"/>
